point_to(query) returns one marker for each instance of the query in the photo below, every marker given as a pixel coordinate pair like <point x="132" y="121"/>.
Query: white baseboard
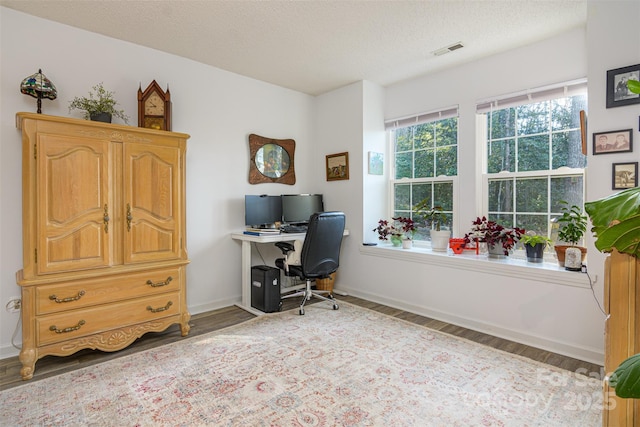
<point x="591" y="355"/>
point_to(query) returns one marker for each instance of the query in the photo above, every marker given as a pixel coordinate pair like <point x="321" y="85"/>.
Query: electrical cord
<point x="584" y="270"/>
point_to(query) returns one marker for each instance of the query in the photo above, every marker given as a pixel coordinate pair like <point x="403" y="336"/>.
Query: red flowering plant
<point x="401" y="228"/>
<point x="493" y="234"/>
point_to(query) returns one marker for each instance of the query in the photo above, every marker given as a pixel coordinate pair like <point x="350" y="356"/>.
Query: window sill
<point x="508" y="266"/>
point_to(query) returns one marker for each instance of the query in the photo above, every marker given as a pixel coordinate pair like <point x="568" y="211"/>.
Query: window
<point x="425" y="159"/>
<point x="534" y="158"/>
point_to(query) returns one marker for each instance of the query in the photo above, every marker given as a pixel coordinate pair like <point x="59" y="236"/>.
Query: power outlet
<point x="14" y="305"/>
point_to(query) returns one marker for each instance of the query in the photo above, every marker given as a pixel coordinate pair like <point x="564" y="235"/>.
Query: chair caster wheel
<point x="335" y="306"/>
<point x="280" y="306"/>
<point x="302" y="312"/>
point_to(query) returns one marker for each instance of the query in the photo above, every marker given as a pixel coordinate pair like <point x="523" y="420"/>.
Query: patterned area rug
<point x="350" y="367"/>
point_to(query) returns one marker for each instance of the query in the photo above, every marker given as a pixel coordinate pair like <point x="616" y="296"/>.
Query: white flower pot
<point x="440" y="240"/>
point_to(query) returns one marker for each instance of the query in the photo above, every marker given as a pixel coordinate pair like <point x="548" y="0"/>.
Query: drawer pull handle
<point x="157" y="285"/>
<point x="69" y="329"/>
<point x="69" y="299"/>
<point x="105" y="219"/>
<point x="159" y="309"/>
<point x="129" y="217"/>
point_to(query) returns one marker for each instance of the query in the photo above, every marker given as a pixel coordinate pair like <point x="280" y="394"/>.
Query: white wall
<point x="217" y="108"/>
<point x="560" y="318"/>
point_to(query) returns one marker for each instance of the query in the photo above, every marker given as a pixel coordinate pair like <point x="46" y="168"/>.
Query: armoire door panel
<point x="151" y="197"/>
<point x="73" y="198"/>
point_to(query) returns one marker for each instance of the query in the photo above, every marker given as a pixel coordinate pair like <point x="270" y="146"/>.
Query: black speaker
<point x="265" y="288"/>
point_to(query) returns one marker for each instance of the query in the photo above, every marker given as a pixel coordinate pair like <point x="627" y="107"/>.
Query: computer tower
<point x="265" y="288"/>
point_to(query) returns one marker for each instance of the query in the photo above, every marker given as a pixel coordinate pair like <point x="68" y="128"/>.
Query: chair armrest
<point x="285" y="247"/>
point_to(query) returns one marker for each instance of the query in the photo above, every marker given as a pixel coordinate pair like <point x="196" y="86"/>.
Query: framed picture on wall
<point x="624" y="175"/>
<point x="618" y="93"/>
<point x="376" y="163"/>
<point x="337" y="166"/>
<point x="615" y="141"/>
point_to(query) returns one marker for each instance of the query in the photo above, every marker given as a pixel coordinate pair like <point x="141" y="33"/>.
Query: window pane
<point x="533" y="118"/>
<point x="501" y="156"/>
<point x="505" y="220"/>
<point x="565" y="112"/>
<point x="531" y="195"/>
<point x="502" y="123"/>
<point x="447" y="161"/>
<point x="404" y="165"/>
<point x="567" y="188"/>
<point x="424" y="164"/>
<point x="567" y="150"/>
<point x="443" y="195"/>
<point x="424" y="136"/>
<point x="402" y="197"/>
<point x="500" y="195"/>
<point x="446" y="132"/>
<point x="404" y="139"/>
<point x="533" y="153"/>
<point x="539" y="224"/>
<point x="420" y="193"/>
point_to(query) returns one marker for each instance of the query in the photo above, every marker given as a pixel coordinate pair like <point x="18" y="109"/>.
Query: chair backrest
<point x="321" y="250"/>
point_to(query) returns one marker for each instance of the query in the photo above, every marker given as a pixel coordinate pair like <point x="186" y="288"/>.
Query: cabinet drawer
<point x="78" y="323"/>
<point x="83" y="293"/>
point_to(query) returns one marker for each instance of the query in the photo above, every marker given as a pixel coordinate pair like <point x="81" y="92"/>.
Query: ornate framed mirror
<point x="271" y="160"/>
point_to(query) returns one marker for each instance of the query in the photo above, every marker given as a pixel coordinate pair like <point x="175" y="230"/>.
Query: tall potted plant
<point x="573" y="225"/>
<point x="435" y="219"/>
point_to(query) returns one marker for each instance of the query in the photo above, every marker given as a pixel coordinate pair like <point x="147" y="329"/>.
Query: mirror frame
<point x="256" y="142"/>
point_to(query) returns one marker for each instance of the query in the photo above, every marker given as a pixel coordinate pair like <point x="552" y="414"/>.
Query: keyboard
<point x="293" y="229"/>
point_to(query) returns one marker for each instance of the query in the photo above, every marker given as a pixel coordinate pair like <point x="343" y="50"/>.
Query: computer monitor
<point x="297" y="208"/>
<point x="262" y="211"/>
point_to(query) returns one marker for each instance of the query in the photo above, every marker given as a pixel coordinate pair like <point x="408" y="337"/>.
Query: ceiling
<point x="317" y="46"/>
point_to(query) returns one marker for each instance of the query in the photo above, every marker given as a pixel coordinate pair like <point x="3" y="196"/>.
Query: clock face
<point x="154" y="105"/>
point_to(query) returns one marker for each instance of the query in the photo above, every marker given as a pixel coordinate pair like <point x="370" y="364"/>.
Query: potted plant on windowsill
<point x="534" y="245"/>
<point x="100" y="105"/>
<point x="399" y="231"/>
<point x="573" y="225"/>
<point x="435" y="219"/>
<point x="500" y="240"/>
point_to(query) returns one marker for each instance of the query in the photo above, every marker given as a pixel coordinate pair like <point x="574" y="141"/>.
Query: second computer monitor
<point x="297" y="208"/>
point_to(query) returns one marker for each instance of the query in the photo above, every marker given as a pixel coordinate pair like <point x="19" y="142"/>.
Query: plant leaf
<point x="616" y="221"/>
<point x="633" y="85"/>
<point x="626" y="378"/>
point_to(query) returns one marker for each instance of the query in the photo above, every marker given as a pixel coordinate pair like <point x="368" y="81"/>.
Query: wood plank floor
<point x="206" y="322"/>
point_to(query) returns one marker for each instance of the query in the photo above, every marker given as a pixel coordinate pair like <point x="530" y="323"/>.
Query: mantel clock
<point x="154" y="107"/>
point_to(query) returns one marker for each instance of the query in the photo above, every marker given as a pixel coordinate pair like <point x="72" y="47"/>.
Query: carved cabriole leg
<point x="28" y="357"/>
<point x="184" y="324"/>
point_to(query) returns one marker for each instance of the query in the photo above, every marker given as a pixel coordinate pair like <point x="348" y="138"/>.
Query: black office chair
<point x="320" y="254"/>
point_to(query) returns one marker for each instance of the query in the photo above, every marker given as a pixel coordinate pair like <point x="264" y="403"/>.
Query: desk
<point x="246" y="240"/>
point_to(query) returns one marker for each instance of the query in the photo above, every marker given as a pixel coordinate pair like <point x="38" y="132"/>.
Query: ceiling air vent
<point x="448" y="49"/>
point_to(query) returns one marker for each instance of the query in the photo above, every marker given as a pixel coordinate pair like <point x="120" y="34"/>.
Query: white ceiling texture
<point x="316" y="46"/>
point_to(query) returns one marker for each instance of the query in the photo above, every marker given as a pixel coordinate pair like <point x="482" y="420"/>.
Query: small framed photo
<point x="615" y="141"/>
<point x="625" y="175"/>
<point x="376" y="163"/>
<point x="337" y="166"/>
<point x="618" y="93"/>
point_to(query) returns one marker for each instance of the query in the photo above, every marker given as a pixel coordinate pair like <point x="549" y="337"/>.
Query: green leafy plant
<point x="634" y="86"/>
<point x="535" y="239"/>
<point x="573" y="223"/>
<point x="402" y="227"/>
<point x="433" y="217"/>
<point x="99" y="100"/>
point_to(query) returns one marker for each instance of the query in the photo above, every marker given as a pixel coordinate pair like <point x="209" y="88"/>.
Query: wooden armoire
<point x="104" y="250"/>
<point x="622" y="333"/>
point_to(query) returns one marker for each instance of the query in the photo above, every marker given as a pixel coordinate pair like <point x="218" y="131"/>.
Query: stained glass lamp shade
<point x="39" y="86"/>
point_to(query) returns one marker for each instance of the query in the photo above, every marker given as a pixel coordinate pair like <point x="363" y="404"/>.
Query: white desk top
<point x="281" y="237"/>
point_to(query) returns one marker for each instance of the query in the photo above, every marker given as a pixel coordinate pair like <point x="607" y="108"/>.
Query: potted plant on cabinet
<point x="435" y="219"/>
<point x="573" y="225"/>
<point x="499" y="239"/>
<point x="534" y="245"/>
<point x="100" y="105"/>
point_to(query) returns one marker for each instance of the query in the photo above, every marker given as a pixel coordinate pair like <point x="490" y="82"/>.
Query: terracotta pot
<point x="561" y="249"/>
